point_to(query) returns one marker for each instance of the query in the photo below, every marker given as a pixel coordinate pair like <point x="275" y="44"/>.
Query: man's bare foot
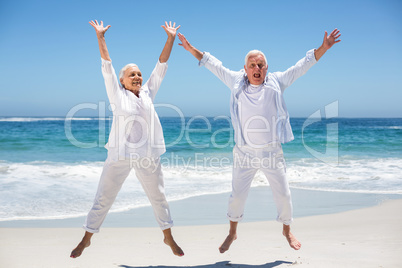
<point x="80" y="248"/>
<point x="230" y="238"/>
<point x="228" y="241"/>
<point x="85" y="242"/>
<point x="168" y="240"/>
<point x="175" y="248"/>
<point x="293" y="242"/>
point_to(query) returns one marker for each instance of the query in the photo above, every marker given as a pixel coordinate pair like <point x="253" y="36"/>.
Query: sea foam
<point x="50" y="190"/>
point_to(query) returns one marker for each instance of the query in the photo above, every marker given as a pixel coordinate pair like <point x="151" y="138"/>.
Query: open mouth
<point x="136" y="83"/>
<point x="256" y="75"/>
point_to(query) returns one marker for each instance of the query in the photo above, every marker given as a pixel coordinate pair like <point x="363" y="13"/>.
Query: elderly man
<point x="261" y="123"/>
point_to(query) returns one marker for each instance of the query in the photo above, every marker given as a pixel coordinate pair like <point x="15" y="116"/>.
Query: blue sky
<point x="50" y="61"/>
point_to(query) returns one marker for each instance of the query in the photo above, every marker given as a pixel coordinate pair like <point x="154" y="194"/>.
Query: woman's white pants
<point x="246" y="163"/>
<point x="148" y="172"/>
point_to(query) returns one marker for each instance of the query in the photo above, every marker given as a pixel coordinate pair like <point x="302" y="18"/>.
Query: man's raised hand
<point x="330" y="40"/>
<point x="184" y="43"/>
<point x="187" y="46"/>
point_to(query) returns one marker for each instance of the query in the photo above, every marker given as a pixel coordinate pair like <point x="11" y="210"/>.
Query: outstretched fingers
<point x="93" y="24"/>
<point x="331" y="39"/>
<point x="99" y="28"/>
<point x="170" y="26"/>
<point x="170" y="29"/>
<point x="335" y="34"/>
<point x="184" y="43"/>
<point x="107" y="27"/>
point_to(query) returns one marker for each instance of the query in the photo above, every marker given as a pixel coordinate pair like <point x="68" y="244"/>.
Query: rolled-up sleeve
<point x="205" y="57"/>
<point x="287" y="77"/>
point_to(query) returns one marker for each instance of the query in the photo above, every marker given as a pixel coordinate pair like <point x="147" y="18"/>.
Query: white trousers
<point x="246" y="163"/>
<point x="148" y="172"/>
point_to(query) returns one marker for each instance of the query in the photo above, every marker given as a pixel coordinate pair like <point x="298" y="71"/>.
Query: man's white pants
<point x="148" y="172"/>
<point x="246" y="163"/>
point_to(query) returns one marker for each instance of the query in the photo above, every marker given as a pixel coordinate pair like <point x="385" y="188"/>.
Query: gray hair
<point x="254" y="52"/>
<point x="124" y="69"/>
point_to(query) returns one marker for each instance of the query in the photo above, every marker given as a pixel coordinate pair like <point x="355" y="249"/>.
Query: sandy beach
<point x="365" y="237"/>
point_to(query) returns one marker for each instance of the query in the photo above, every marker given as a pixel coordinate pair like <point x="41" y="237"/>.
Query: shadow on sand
<point x="218" y="264"/>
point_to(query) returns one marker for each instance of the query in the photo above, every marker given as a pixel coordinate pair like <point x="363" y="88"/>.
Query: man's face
<point x="256" y="69"/>
<point x="132" y="79"/>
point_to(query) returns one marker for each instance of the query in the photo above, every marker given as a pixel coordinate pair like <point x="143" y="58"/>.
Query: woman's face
<point x="132" y="79"/>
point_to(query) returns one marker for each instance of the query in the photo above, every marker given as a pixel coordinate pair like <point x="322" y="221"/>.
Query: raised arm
<point x="211" y="63"/>
<point x="187" y="46"/>
<point x="167" y="49"/>
<point x="328" y="42"/>
<point x="100" y="33"/>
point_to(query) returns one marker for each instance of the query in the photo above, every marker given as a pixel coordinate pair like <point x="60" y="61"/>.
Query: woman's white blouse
<point x="136" y="130"/>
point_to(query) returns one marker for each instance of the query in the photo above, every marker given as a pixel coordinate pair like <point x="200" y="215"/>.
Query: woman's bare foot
<point x="168" y="240"/>
<point x="228" y="241"/>
<point x="85" y="242"/>
<point x="293" y="242"/>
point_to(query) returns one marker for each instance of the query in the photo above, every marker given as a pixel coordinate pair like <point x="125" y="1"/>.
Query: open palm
<point x="330" y="40"/>
<point x="99" y="28"/>
<point x="169" y="29"/>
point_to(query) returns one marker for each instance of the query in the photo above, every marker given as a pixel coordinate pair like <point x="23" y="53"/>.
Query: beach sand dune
<point x="368" y="237"/>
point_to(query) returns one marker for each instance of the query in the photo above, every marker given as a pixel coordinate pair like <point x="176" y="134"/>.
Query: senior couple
<point x="259" y="117"/>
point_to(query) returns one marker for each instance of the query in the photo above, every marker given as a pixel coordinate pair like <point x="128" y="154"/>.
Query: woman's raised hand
<point x="170" y="30"/>
<point x="100" y="30"/>
<point x="100" y="33"/>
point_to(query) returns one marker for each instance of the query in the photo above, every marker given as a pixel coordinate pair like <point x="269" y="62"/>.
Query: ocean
<point x="50" y="166"/>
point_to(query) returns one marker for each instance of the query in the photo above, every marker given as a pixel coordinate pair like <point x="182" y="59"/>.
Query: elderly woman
<point x="135" y="140"/>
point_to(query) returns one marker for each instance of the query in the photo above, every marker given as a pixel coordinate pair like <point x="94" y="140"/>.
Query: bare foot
<point x="172" y="244"/>
<point x="80" y="248"/>
<point x="228" y="241"/>
<point x="293" y="242"/>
